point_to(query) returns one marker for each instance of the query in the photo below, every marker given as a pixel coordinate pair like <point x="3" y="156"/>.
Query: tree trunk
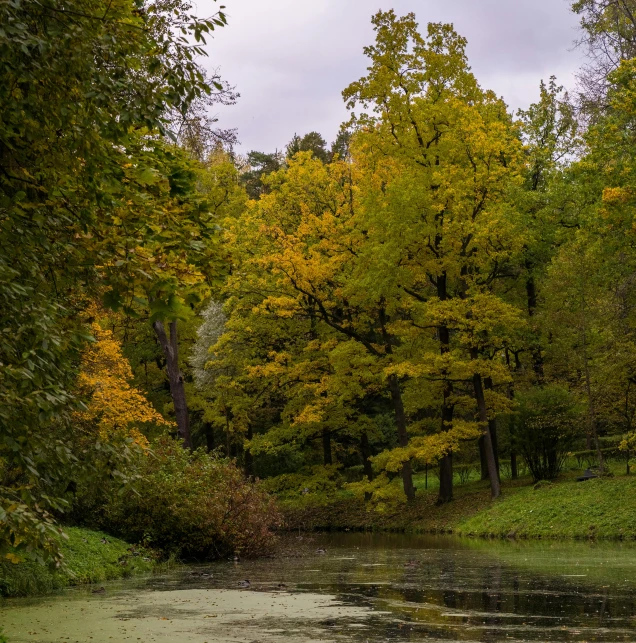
<point x="400" y="415"/>
<point x="445" y="479"/>
<point x="326" y="447"/>
<point x="483" y="462"/>
<point x="591" y="418"/>
<point x="492" y="425"/>
<point x="208" y="430"/>
<point x="446" y="463"/>
<point x="495" y="487"/>
<point x="228" y="448"/>
<point x="365" y="451"/>
<point x="537" y="356"/>
<point x="170" y="349"/>
<point x="514" y="472"/>
<point x="591" y="410"/>
<point x="403" y="436"/>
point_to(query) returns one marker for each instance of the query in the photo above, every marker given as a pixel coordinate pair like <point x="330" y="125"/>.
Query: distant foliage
<point x="194" y="503"/>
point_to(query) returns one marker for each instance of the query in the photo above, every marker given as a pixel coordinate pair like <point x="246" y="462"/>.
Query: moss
<point x="89" y="557"/>
<point x="601" y="508"/>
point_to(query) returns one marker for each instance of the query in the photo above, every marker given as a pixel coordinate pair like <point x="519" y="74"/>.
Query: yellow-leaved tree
<point x="115" y="410"/>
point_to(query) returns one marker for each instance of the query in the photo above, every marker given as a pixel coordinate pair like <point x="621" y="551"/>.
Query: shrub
<point x="462" y="471"/>
<point x="547" y="430"/>
<point x="194" y="504"/>
<point x="311" y="485"/>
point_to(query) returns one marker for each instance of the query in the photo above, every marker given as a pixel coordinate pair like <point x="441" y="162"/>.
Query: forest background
<point x="187" y="333"/>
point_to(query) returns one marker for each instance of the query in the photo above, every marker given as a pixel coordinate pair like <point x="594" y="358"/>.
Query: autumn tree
<point x="442" y="154"/>
<point x="114" y="408"/>
<point x="164" y="241"/>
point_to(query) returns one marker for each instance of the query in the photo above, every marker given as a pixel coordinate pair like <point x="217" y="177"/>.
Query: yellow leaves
<point x="428" y="449"/>
<point x="616" y="196"/>
<point x="13" y="558"/>
<point x="114" y="408"/>
<point x="311" y="414"/>
<point x="283" y="306"/>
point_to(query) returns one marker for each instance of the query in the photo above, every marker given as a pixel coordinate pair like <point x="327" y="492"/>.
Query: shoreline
<point x="601" y="509"/>
<point x="90" y="557"/>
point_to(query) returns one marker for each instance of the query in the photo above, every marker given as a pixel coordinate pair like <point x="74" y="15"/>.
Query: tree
<point x="609" y="37"/>
<point x="444" y="153"/>
<point x="165" y="235"/>
<point x="259" y="165"/>
<point x="312" y="142"/>
<point x="114" y="409"/>
<point x="70" y="106"/>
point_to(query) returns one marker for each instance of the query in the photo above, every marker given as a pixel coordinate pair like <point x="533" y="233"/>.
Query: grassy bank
<point x="601" y="508"/>
<point x="90" y="557"/>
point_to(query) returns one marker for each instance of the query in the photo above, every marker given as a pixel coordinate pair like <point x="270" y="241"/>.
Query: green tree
<point x="77" y="85"/>
<point x="443" y="155"/>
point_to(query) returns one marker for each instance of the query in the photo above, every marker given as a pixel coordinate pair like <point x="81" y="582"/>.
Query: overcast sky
<point x="291" y="59"/>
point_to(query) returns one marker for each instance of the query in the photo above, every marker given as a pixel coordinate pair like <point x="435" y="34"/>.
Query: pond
<point x="360" y="588"/>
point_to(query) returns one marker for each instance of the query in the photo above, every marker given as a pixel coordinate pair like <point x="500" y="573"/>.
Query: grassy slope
<point x="567" y="509"/>
<point x="87" y="560"/>
<point x="601" y="508"/>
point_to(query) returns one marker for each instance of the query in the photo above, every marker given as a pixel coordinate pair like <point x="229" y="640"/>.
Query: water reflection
<point x="372" y="588"/>
<point x="450" y="589"/>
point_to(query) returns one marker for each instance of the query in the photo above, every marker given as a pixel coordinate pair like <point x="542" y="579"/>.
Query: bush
<point x="311" y="485"/>
<point x="194" y="504"/>
<point x="547" y="430"/>
<point x="463" y="472"/>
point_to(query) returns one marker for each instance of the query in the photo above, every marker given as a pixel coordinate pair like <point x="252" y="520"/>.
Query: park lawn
<point x="87" y="559"/>
<point x="599" y="508"/>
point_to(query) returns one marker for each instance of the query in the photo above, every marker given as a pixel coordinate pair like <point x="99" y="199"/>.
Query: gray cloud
<point x="290" y="59"/>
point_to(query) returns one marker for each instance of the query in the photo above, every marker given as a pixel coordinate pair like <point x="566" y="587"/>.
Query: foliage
<point x="114" y="410"/>
<point x="446" y="283"/>
<point x="194" y="504"/>
<point x="314" y="485"/>
<point x="208" y="334"/>
<point x="312" y="142"/>
<point x="547" y="429"/>
<point x="80" y="87"/>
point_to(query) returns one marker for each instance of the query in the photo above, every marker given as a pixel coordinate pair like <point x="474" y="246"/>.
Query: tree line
<point x="447" y="280"/>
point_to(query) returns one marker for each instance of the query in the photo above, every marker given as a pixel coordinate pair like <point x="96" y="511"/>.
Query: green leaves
<point x="89" y="194"/>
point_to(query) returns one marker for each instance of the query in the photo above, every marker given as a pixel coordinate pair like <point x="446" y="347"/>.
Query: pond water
<point x="362" y="588"/>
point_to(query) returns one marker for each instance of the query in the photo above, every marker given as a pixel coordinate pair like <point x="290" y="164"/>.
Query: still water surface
<point x="363" y="588"/>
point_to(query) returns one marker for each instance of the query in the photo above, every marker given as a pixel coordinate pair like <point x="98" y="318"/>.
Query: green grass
<point x="600" y="508"/>
<point x="87" y="559"/>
